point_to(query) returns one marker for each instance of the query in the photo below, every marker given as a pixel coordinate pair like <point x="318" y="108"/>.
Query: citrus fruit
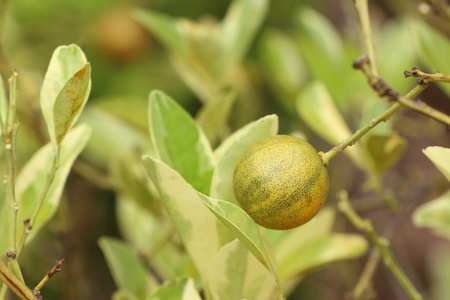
<point x="281" y="182"/>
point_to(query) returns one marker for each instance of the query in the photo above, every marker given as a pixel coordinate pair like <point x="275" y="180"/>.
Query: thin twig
<point x="425" y="78"/>
<point x="50" y="177"/>
<point x="56" y="268"/>
<point x="367" y="274"/>
<point x="14" y="284"/>
<point x="385" y="116"/>
<point x="381" y="243"/>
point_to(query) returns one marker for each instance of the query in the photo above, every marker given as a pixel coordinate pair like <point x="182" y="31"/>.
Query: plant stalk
<point x="385" y="116"/>
<point x="15" y="284"/>
<point x="381" y="243"/>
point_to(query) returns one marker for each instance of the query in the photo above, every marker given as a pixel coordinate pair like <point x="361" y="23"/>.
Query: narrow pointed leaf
<point x="180" y="142"/>
<point x="440" y="157"/>
<point x="127" y="270"/>
<point x="196" y="225"/>
<point x="65" y="90"/>
<point x="243" y="227"/>
<point x="435" y="214"/>
<point x="213" y="117"/>
<point x="231" y="260"/>
<point x="231" y="150"/>
<point x="317" y="109"/>
<point x="241" y="24"/>
<point x="383" y="151"/>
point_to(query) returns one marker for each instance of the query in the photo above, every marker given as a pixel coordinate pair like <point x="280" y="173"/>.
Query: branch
<point x="425" y="78"/>
<point x="56" y="268"/>
<point x="381" y="243"/>
<point x="14" y="284"/>
<point x="385" y="116"/>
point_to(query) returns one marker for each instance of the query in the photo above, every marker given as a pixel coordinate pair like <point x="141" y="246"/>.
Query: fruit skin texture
<point x="281" y="182"/>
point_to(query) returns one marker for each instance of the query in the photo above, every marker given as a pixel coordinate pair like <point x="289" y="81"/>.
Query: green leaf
<point x="31" y="178"/>
<point x="439" y="270"/>
<point x="317" y="109"/>
<point x="213" y="117"/>
<point x="180" y="142"/>
<point x="231" y="260"/>
<point x="169" y="30"/>
<point x="231" y="150"/>
<point x="129" y="178"/>
<point x="127" y="270"/>
<point x="241" y="23"/>
<point x="65" y="90"/>
<point x="433" y="48"/>
<point x="123" y="295"/>
<point x="384" y="151"/>
<point x="105" y="144"/>
<point x="435" y="214"/>
<point x="259" y="282"/>
<point x="440" y="157"/>
<point x="322" y="251"/>
<point x="284" y="67"/>
<point x="196" y="225"/>
<point x="183" y="289"/>
<point x="244" y="228"/>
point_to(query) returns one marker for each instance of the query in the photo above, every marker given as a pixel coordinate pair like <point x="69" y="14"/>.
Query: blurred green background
<point x="299" y="42"/>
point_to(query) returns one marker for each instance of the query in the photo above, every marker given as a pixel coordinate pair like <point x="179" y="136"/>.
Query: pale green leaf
<point x="440" y="157"/>
<point x="123" y="295"/>
<point x="65" y="90"/>
<point x="231" y="150"/>
<point x="180" y="142"/>
<point x="127" y="270"/>
<point x="435" y="214"/>
<point x="439" y="269"/>
<point x="317" y="109"/>
<point x="213" y="117"/>
<point x="383" y="151"/>
<point x="183" y="289"/>
<point x="196" y="225"/>
<point x="231" y="260"/>
<point x="169" y="30"/>
<point x="241" y="23"/>
<point x="322" y="251"/>
<point x="243" y="227"/>
<point x="284" y="67"/>
<point x="31" y="178"/>
<point x="111" y="137"/>
<point x="259" y="282"/>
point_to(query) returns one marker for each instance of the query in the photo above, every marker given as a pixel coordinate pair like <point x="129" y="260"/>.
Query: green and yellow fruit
<point x="281" y="182"/>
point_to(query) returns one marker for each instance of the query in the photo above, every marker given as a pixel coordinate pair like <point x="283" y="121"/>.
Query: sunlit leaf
<point x="180" y="142"/>
<point x="111" y="137"/>
<point x="232" y="148"/>
<point x="127" y="270"/>
<point x="167" y="29"/>
<point x="3" y="100"/>
<point x="284" y="67"/>
<point x="243" y="227"/>
<point x="183" y="289"/>
<point x="435" y="214"/>
<point x="440" y="157"/>
<point x="65" y="90"/>
<point x="196" y="225"/>
<point x="241" y="23"/>
<point x="317" y="109"/>
<point x="213" y="117"/>
<point x="384" y="151"/>
<point x="123" y="295"/>
<point x="322" y="251"/>
<point x="231" y="260"/>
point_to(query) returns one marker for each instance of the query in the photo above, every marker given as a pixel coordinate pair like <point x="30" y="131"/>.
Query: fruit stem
<point x="381" y="243"/>
<point x="385" y="116"/>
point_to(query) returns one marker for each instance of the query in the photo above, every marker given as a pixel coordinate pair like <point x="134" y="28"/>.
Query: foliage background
<point x="128" y="62"/>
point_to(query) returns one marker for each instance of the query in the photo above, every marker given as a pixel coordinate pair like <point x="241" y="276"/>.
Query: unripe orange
<point x="281" y="182"/>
